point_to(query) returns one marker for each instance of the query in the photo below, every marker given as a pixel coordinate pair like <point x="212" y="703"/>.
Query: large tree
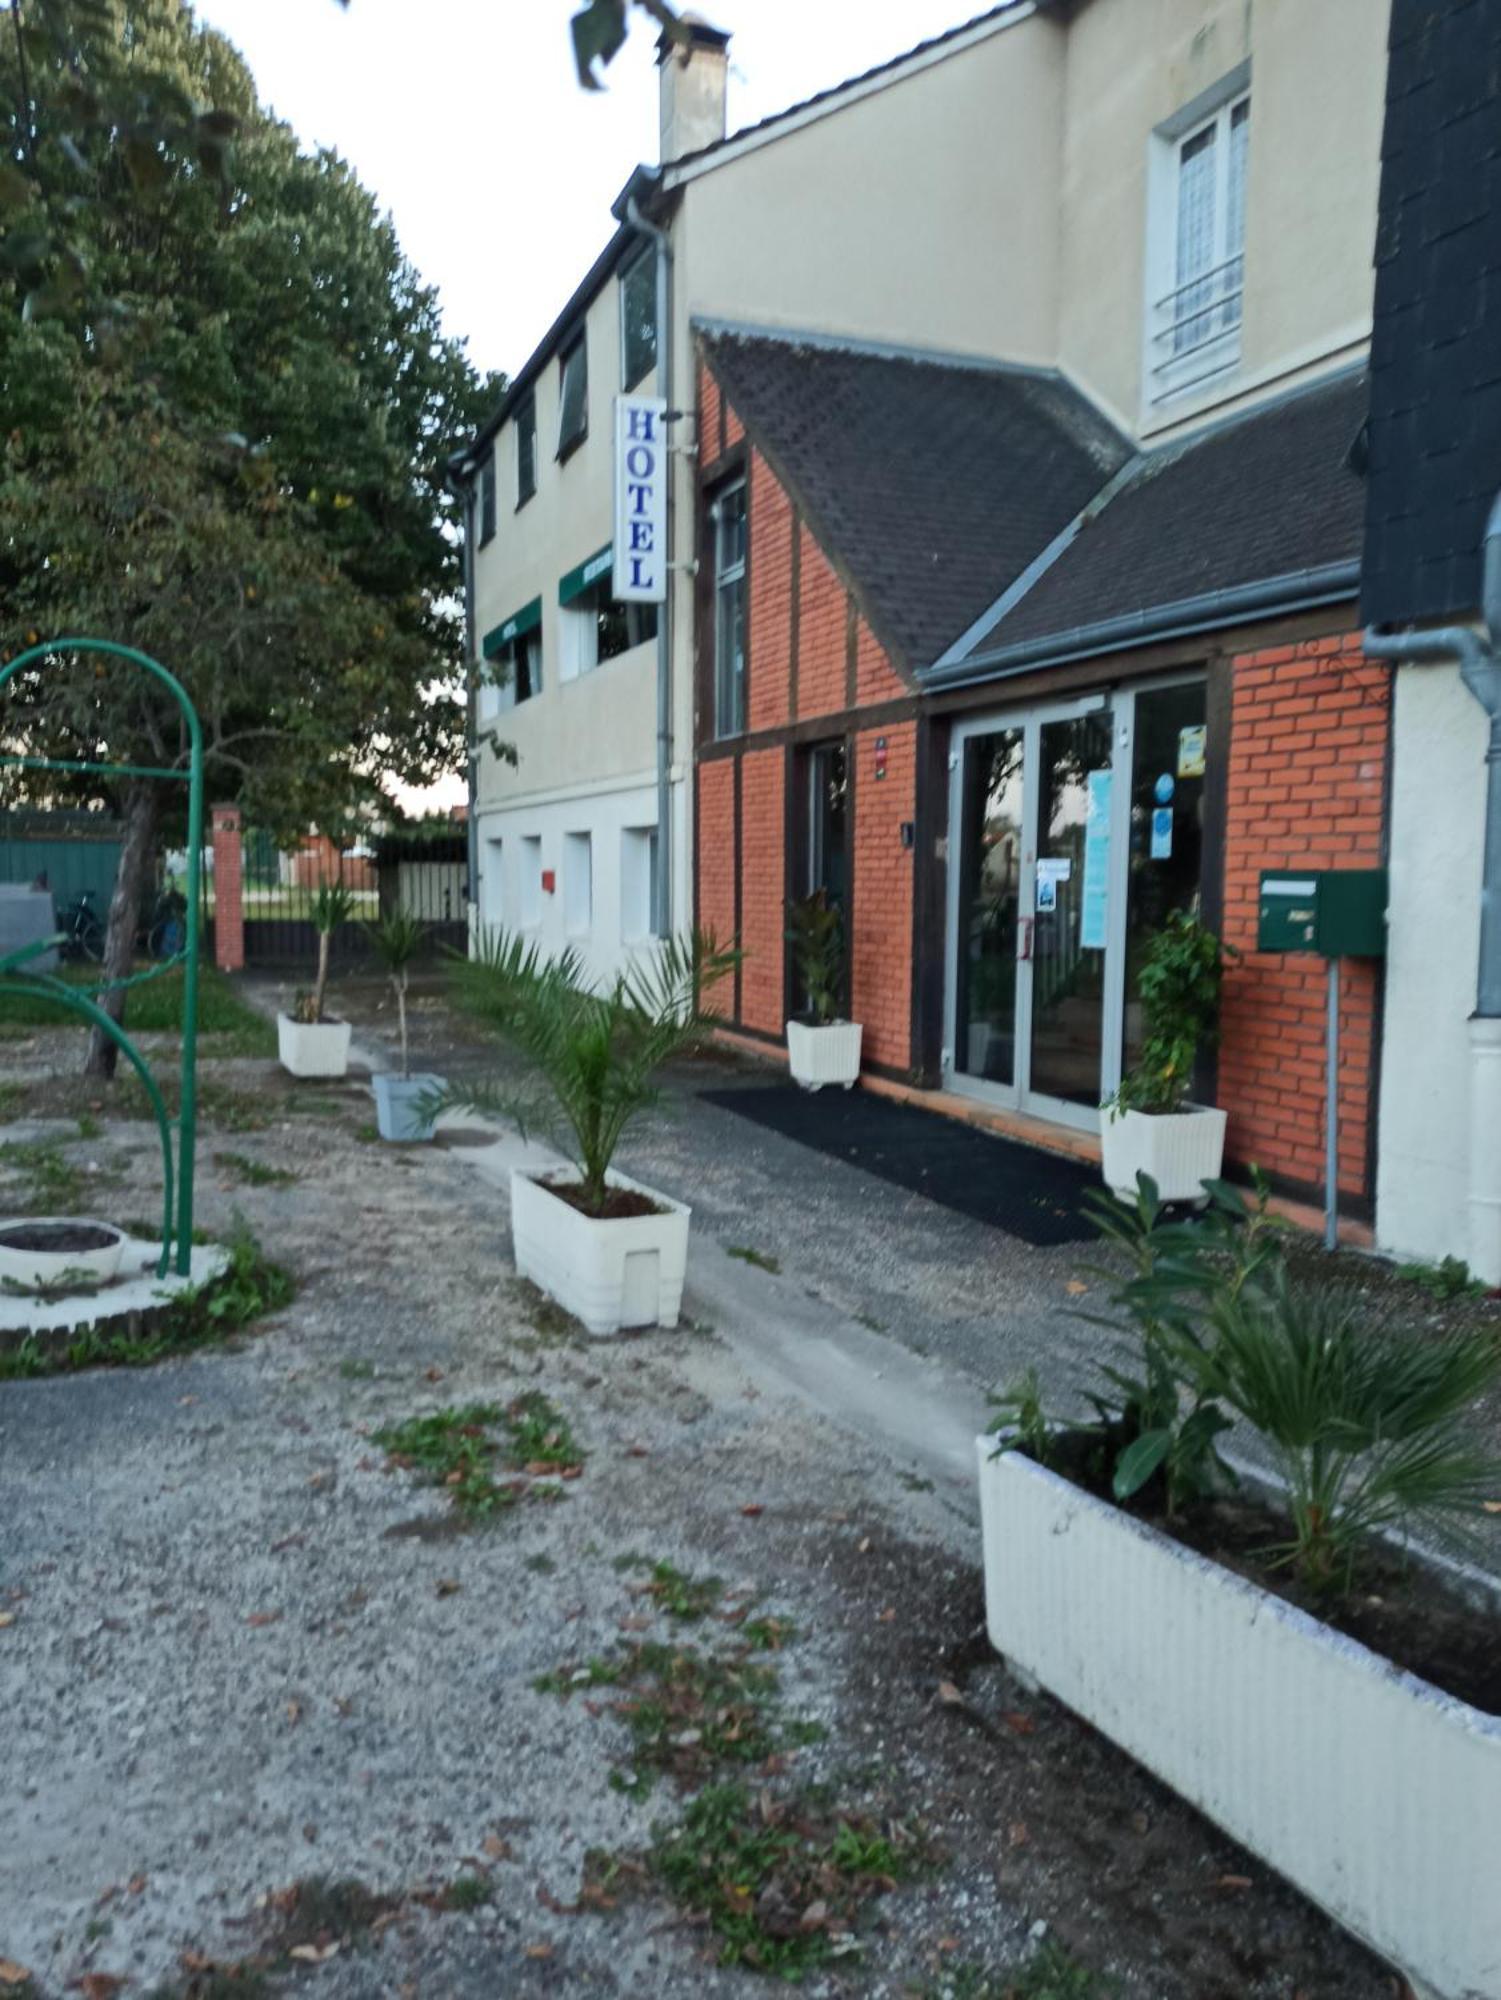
<point x="225" y="401"/>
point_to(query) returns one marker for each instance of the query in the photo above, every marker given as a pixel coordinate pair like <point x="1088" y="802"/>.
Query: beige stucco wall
<point x="923" y="214"/>
<point x="1317" y="76"/>
<point x="601" y="726"/>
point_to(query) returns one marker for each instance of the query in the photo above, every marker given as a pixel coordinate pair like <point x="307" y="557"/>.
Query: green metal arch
<point x="187" y="1120"/>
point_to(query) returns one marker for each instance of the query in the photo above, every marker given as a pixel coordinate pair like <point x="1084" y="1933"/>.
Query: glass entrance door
<point x="1070" y="928"/>
<point x="1073" y="829"/>
<point x="1031" y="946"/>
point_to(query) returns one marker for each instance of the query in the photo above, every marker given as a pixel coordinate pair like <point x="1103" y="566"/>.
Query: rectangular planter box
<point x="1179" y="1149"/>
<point x="609" y="1274"/>
<point x="400" y="1102"/>
<point x="1375" y="1794"/>
<point x="313" y="1048"/>
<point x="827" y="1054"/>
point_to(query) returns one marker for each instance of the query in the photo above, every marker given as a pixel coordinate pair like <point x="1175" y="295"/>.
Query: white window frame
<point x="529" y="884"/>
<point x="578" y="883"/>
<point x="1192" y="330"/>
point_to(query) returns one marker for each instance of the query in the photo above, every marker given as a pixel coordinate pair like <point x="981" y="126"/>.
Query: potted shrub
<point x="406" y="1106"/>
<point x="1279" y="1652"/>
<point x="608" y="1249"/>
<point x="822" y="1047"/>
<point x="310" y="1042"/>
<point x="1149" y="1126"/>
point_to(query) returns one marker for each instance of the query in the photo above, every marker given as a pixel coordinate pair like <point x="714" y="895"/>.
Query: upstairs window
<point x="487" y="501"/>
<point x="526" y="450"/>
<point x="573" y="397"/>
<point x="594" y="628"/>
<point x="1199" y="269"/>
<point x="638" y="320"/>
<point x="512" y="654"/>
<point x="727" y="518"/>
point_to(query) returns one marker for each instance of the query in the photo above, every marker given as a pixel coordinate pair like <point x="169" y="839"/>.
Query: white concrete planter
<point x="399" y="1106"/>
<point x="1179" y="1149"/>
<point x="610" y="1274"/>
<point x="827" y="1054"/>
<point x="313" y="1048"/>
<point x="43" y="1270"/>
<point x="1375" y="1794"/>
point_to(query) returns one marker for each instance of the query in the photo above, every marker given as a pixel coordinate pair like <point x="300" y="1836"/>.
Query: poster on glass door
<point x="1095" y="902"/>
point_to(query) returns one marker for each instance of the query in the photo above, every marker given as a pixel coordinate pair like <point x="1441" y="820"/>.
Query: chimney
<point x="693" y="73"/>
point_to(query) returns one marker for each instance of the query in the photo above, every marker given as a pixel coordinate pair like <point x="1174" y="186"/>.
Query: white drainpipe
<point x="1480" y="668"/>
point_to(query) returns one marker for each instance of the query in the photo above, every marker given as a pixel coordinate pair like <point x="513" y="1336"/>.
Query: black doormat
<point x="1027" y="1192"/>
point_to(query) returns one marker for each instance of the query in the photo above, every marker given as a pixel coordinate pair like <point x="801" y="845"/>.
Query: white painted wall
<point x="1437" y="824"/>
<point x="520" y="842"/>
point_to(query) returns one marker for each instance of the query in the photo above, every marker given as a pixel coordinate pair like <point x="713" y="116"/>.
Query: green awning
<point x="586" y="575"/>
<point x="527" y="619"/>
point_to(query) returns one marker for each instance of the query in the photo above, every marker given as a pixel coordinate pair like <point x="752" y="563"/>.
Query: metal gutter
<point x="1298" y="590"/>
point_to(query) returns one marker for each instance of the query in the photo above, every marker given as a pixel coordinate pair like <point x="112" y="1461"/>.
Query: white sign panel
<point x="641" y="464"/>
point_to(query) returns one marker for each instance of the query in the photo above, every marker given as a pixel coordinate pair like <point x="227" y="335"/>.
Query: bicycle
<point x="81" y="930"/>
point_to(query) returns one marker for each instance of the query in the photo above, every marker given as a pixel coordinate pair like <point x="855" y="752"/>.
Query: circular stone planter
<point x="48" y="1252"/>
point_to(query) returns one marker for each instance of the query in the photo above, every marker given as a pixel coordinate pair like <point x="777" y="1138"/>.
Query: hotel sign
<point x="641" y="468"/>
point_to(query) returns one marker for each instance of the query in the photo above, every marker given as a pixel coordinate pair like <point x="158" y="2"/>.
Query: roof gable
<point x="930" y="484"/>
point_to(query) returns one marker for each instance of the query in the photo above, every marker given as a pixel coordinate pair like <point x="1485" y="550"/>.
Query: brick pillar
<point x="229" y="910"/>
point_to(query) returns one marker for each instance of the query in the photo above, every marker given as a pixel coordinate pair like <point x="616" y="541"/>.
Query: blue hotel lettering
<point x="641" y="466"/>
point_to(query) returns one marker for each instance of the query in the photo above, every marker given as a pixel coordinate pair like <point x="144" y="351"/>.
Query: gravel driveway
<point x="243" y="1652"/>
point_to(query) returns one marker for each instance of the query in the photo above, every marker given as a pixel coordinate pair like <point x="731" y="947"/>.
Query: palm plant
<point x="815" y="930"/>
<point x="396" y="939"/>
<point x="333" y="905"/>
<point x="1365" y="1423"/>
<point x="594" y="1056"/>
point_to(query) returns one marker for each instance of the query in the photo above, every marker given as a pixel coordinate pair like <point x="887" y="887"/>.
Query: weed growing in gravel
<point x="455" y="1449"/>
<point x="48" y="1184"/>
<point x="781" y="1881"/>
<point x="1051" y="1973"/>
<point x="250" y="1286"/>
<point x="689" y="1713"/>
<point x="367" y="1134"/>
<point x="254" y="1173"/>
<point x="467" y="1892"/>
<point x="746" y="1253"/>
<point x="353" y="1369"/>
<point x="1445" y="1281"/>
<point x="89" y="1126"/>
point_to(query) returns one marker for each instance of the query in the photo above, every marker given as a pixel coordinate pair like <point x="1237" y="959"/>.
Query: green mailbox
<point x="1331" y="912"/>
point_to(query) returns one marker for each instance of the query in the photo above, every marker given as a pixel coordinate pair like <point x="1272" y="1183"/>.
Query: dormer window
<point x="1196" y="262"/>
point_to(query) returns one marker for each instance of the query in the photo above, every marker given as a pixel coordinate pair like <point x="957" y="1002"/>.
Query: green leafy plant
<point x="333" y="905"/>
<point x="397" y="939"/>
<point x="459" y="1450"/>
<point x="1445" y="1281"/>
<point x="1180" y="988"/>
<point x="1367" y="1424"/>
<point x="815" y="931"/>
<point x="754" y="1868"/>
<point x="594" y="1056"/>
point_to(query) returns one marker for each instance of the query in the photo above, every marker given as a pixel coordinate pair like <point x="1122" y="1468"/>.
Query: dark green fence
<point x="66" y="852"/>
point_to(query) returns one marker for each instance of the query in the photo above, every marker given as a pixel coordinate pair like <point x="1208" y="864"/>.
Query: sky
<point x="466" y="120"/>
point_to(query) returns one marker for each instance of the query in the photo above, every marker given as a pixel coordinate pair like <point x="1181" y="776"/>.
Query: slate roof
<point x="1435" y="437"/>
<point x="1270" y="495"/>
<point x="929" y="484"/>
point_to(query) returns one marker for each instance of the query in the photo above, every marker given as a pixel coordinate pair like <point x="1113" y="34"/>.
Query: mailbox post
<point x="1333" y="914"/>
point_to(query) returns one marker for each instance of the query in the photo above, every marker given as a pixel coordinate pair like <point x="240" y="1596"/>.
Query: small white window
<point x="1197" y="260"/>
<point x="578" y="883"/>
<point x="530" y="884"/>
<point x="494" y="884"/>
<point x="638" y="867"/>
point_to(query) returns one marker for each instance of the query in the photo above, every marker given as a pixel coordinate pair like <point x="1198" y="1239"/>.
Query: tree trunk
<point x="401" y="1015"/>
<point x="132" y="879"/>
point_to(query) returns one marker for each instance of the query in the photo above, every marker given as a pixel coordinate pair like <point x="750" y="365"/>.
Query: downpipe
<point x="1480" y="670"/>
<point x="661" y="888"/>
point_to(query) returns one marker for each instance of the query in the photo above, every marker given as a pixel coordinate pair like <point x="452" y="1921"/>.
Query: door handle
<point x="1024" y="939"/>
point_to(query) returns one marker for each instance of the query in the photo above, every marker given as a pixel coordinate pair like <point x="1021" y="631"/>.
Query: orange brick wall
<point x="823" y="623"/>
<point x="881" y="934"/>
<point x="770" y="613"/>
<point x="763" y="889"/>
<point x="716" y="852"/>
<point x="1306" y="789"/>
<point x="823" y="617"/>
